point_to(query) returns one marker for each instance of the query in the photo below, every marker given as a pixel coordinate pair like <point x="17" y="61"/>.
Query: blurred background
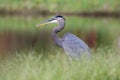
<point x="97" y="22"/>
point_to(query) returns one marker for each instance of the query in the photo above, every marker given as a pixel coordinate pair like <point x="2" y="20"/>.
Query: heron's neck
<point x="57" y="29"/>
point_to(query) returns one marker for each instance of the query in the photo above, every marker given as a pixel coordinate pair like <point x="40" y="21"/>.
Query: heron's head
<point x="54" y="19"/>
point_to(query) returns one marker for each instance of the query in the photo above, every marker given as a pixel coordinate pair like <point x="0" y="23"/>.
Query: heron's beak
<point x="44" y="23"/>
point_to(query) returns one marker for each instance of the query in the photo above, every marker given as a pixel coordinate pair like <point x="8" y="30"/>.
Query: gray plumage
<point x="72" y="45"/>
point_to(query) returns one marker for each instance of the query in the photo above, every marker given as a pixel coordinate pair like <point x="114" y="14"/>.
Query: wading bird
<point x="72" y="45"/>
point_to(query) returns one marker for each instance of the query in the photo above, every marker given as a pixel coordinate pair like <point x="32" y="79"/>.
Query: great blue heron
<point x="72" y="45"/>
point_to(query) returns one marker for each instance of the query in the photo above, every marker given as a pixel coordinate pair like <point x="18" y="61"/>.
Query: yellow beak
<point x="44" y="23"/>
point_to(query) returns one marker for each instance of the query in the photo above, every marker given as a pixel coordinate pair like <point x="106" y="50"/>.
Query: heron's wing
<point x="73" y="45"/>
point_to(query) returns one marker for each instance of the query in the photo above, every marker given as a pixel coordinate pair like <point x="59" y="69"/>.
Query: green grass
<point x="62" y="5"/>
<point x="104" y="65"/>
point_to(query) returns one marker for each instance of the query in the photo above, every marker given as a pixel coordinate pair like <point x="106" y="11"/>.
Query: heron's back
<point x="74" y="46"/>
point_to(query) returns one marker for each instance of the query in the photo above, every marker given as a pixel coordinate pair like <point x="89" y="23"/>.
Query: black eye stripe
<point x="59" y="16"/>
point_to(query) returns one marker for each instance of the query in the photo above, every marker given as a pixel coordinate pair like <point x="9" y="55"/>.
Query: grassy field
<point x="31" y="65"/>
<point x="62" y="5"/>
<point x="34" y="57"/>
